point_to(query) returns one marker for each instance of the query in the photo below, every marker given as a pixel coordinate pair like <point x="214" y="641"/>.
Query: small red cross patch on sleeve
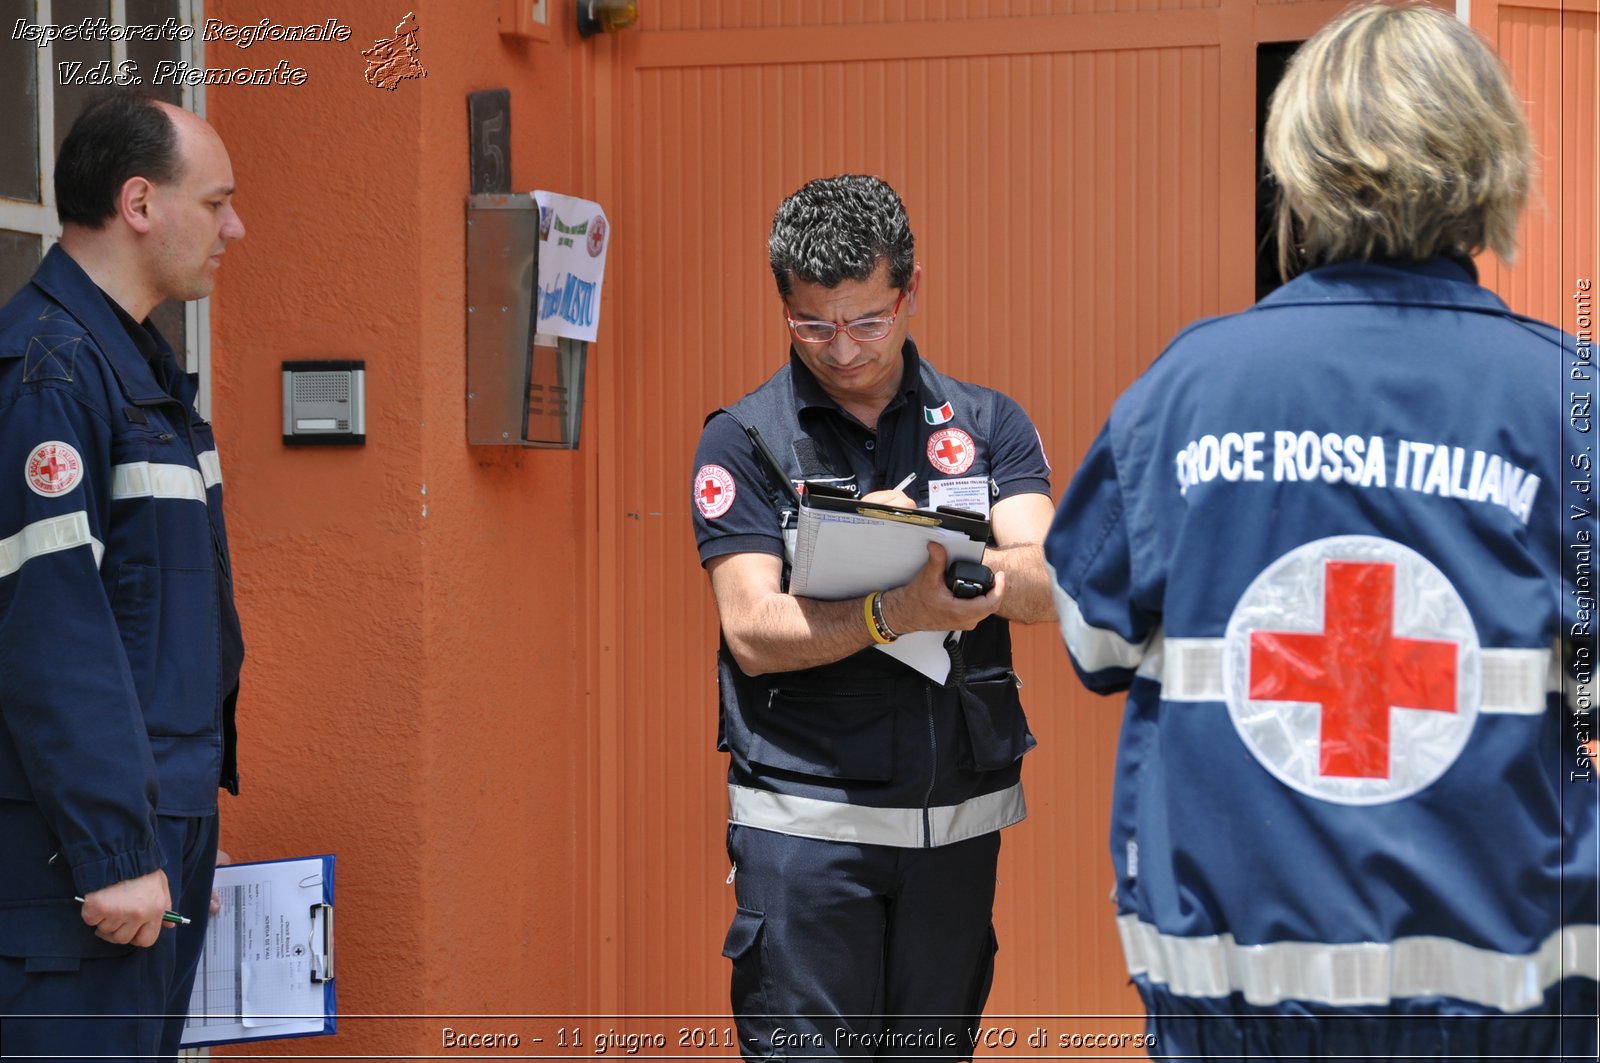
<point x="713" y="491"/>
<point x="54" y="468"/>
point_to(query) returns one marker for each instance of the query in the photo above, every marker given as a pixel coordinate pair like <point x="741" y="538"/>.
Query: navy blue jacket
<point x="1333" y="547"/>
<point x="119" y="644"/>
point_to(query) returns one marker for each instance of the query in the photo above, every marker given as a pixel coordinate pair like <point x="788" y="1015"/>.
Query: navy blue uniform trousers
<point x="843" y="950"/>
<point x="125" y="1006"/>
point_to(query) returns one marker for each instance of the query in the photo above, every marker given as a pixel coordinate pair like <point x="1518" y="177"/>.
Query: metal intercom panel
<point x="324" y="402"/>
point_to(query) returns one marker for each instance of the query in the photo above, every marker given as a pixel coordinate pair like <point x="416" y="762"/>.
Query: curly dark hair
<point x="837" y="229"/>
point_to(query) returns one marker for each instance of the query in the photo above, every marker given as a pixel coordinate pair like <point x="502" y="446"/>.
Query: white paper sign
<point x="573" y="237"/>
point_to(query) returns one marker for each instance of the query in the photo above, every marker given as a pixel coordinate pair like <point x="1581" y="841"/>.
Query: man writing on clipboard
<point x="865" y="799"/>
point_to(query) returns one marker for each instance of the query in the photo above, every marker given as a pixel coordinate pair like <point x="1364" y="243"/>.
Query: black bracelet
<point x="884" y="631"/>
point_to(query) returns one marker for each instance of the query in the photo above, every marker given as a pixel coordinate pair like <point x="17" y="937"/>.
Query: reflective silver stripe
<point x="977" y="815"/>
<point x="1514" y="681"/>
<point x="807" y="817"/>
<point x="210" y="467"/>
<point x="1365" y="973"/>
<point x="147" y="479"/>
<point x="47" y="537"/>
<point x="1092" y="647"/>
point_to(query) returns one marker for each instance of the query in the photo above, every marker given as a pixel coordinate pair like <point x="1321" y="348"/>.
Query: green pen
<point x="171" y="917"/>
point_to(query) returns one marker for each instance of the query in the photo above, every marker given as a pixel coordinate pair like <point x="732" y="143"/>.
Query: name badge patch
<point x="970" y="493"/>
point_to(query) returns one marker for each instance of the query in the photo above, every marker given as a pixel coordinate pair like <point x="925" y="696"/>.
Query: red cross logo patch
<point x="1351" y="670"/>
<point x="713" y="491"/>
<point x="951" y="451"/>
<point x="54" y="468"/>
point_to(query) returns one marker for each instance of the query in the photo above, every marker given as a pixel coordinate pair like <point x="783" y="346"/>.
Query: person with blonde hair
<point x="1333" y="548"/>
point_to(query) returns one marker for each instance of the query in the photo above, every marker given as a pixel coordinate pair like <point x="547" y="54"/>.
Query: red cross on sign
<point x="1358" y="670"/>
<point x="709" y="493"/>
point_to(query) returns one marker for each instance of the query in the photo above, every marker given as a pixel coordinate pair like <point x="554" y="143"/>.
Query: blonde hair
<point x="1395" y="133"/>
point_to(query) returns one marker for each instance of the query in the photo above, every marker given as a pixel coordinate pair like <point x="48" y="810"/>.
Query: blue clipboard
<point x="257" y="986"/>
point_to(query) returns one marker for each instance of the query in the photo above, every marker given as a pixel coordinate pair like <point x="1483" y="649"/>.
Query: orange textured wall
<point x="413" y="696"/>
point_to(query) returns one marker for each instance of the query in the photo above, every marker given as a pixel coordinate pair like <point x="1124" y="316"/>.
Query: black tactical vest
<point x="868" y="730"/>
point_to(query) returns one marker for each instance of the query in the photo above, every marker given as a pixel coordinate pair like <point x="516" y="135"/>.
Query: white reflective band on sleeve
<point x="1094" y="648"/>
<point x="1368" y="973"/>
<point x="807" y="817"/>
<point x="210" y="467"/>
<point x="48" y="537"/>
<point x="1514" y="681"/>
<point x="145" y="479"/>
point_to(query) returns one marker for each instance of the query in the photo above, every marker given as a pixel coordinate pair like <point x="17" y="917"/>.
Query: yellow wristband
<point x="872" y="625"/>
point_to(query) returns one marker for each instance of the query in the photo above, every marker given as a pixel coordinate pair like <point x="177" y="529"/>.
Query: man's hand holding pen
<point x="894" y="496"/>
<point x="131" y="912"/>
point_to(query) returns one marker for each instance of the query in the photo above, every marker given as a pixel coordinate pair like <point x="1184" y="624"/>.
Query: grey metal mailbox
<point x="522" y="389"/>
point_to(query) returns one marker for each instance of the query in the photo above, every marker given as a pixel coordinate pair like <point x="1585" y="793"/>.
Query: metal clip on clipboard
<point x="322" y="942"/>
<point x="972" y="525"/>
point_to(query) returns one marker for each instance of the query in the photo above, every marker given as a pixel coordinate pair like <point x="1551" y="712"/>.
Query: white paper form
<point x="255" y="976"/>
<point x="845" y="555"/>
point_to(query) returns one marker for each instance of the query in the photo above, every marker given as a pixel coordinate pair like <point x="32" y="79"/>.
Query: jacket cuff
<point x="118" y="867"/>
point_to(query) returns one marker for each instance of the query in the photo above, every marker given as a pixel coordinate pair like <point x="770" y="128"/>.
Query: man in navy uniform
<point x="866" y="799"/>
<point x="119" y="645"/>
<point x="1332" y="548"/>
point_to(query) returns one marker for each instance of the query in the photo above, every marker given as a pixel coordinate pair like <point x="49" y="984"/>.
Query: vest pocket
<point x="828" y="734"/>
<point x="997" y="728"/>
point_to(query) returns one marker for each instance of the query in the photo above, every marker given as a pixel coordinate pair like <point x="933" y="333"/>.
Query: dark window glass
<point x="1271" y="62"/>
<point x="19" y="114"/>
<point x="168" y="320"/>
<point x="19" y="257"/>
<point x="71" y="98"/>
<point x="149" y="54"/>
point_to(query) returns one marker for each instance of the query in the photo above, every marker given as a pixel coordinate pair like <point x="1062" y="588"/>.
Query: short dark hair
<point x="119" y="135"/>
<point x="838" y="229"/>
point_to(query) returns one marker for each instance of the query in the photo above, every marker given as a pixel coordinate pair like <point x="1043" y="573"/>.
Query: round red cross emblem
<point x="1351" y="670"/>
<point x="951" y="451"/>
<point x="54" y="468"/>
<point x="713" y="490"/>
